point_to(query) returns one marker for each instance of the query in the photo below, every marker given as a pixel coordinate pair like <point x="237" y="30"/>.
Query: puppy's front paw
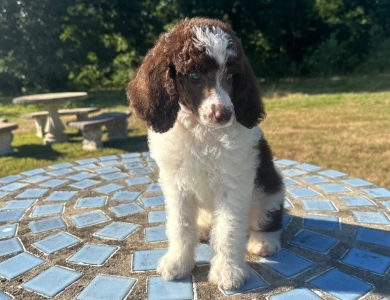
<point x="228" y="275"/>
<point x="175" y="267"/>
<point x="264" y="243"/>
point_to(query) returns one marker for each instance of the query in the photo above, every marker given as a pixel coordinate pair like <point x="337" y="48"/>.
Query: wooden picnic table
<point x="54" y="130"/>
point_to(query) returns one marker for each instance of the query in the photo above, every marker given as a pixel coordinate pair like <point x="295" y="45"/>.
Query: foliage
<point x="50" y="45"/>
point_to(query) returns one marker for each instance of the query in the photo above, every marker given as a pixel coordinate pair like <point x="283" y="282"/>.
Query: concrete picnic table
<point x="54" y="131"/>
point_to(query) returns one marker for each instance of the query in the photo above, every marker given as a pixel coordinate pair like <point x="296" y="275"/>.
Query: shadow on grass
<point x="44" y="152"/>
<point x="132" y="144"/>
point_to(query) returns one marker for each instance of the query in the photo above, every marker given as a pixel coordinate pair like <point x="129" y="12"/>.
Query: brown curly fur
<point x="153" y="92"/>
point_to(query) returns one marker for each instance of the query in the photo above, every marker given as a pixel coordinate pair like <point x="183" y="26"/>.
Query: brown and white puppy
<point x="198" y="96"/>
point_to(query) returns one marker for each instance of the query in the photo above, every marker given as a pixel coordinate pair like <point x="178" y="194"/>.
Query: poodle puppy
<point x="199" y="98"/>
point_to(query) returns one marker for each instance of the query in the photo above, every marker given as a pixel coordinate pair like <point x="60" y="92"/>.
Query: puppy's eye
<point x="195" y="75"/>
<point x="229" y="76"/>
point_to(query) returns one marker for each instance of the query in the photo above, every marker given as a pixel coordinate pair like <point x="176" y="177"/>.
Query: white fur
<point x="211" y="169"/>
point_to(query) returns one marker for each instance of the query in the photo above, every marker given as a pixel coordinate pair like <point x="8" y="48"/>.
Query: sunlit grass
<point x="338" y="123"/>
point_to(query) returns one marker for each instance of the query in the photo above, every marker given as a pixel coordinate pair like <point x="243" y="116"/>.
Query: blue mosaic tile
<point x="137" y="180"/>
<point x="109" y="188"/>
<point x="18" y="204"/>
<point x="253" y="283"/>
<point x="86" y="167"/>
<point x="108" y="157"/>
<point x="33" y="172"/>
<point x="92" y="254"/>
<point x="321" y="221"/>
<point x="160" y="289"/>
<point x="285" y="221"/>
<point x="378" y="192"/>
<point x="10" y="178"/>
<point x="108" y="163"/>
<point x="52" y="281"/>
<point x="10" y="246"/>
<point x="3" y="194"/>
<point x="356" y="201"/>
<point x="91" y="202"/>
<point x="11" y="215"/>
<point x="367" y="260"/>
<point x="133" y="165"/>
<point x="332" y="173"/>
<point x="126" y="209"/>
<point x="19" y="265"/>
<point x="53" y="183"/>
<point x="309" y="167"/>
<point x="81" y="176"/>
<point x="341" y="285"/>
<point x="287" y="203"/>
<point x="315" y="179"/>
<point x="89" y="218"/>
<point x="32" y="193"/>
<point x="130" y="155"/>
<point x="286" y="162"/>
<point x="299" y="293"/>
<point x="106" y="170"/>
<point x="286" y="263"/>
<point x="87" y="161"/>
<point x="140" y="171"/>
<point x="47" y="225"/>
<point x="157" y="216"/>
<point x="371" y="217"/>
<point x="83" y="184"/>
<point x="156" y="234"/>
<point x="13" y="186"/>
<point x="148" y="158"/>
<point x="61" y="166"/>
<point x="153" y="201"/>
<point x="146" y="154"/>
<point x="152" y="164"/>
<point x="313" y="241"/>
<point x="8" y="230"/>
<point x="303" y="192"/>
<point x="114" y="176"/>
<point x="4" y="296"/>
<point x="117" y="231"/>
<point x="289" y="182"/>
<point x="105" y="287"/>
<point x="60" y="172"/>
<point x="147" y="260"/>
<point x="323" y="205"/>
<point x="61" y="196"/>
<point x="154" y="188"/>
<point x="203" y="254"/>
<point x="47" y="210"/>
<point x="56" y="242"/>
<point x="36" y="178"/>
<point x="357" y="182"/>
<point x="387" y="204"/>
<point x="293" y="172"/>
<point x="333" y="188"/>
<point x="373" y="236"/>
<point x="126" y="196"/>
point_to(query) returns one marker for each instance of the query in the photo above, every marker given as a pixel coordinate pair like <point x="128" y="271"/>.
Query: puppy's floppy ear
<point x="248" y="106"/>
<point x="152" y="92"/>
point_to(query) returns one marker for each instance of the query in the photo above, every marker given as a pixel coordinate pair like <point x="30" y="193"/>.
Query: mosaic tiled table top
<point x="95" y="229"/>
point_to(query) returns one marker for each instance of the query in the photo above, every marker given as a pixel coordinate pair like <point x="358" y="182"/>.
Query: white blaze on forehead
<point x="219" y="45"/>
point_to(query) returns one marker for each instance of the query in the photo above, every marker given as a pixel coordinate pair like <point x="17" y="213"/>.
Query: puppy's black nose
<point x="222" y="114"/>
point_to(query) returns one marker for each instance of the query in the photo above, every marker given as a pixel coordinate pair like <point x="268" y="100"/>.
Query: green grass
<point x="338" y="123"/>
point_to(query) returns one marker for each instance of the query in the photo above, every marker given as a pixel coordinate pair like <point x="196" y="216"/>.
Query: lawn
<point x="338" y="123"/>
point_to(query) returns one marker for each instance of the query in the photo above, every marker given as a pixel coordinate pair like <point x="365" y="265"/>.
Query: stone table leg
<point x="6" y="138"/>
<point x="117" y="130"/>
<point x="40" y="123"/>
<point x="92" y="137"/>
<point x="54" y="128"/>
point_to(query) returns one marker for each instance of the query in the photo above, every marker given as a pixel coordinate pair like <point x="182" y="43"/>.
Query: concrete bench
<point x="6" y="137"/>
<point x="41" y="116"/>
<point x="2" y="120"/>
<point x="91" y="128"/>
